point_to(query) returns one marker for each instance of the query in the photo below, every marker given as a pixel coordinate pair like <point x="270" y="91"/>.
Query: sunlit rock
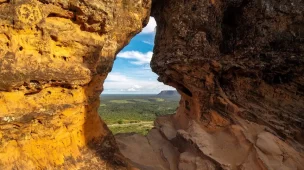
<point x="54" y="58"/>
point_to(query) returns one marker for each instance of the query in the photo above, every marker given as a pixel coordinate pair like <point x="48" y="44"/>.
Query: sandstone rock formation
<point x="54" y="57"/>
<point x="238" y="66"/>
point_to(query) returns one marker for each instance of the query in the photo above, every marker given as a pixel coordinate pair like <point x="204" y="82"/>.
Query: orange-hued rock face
<point x="54" y="58"/>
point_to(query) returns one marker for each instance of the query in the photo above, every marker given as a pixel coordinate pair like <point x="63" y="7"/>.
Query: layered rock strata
<point x="238" y="66"/>
<point x="54" y="58"/>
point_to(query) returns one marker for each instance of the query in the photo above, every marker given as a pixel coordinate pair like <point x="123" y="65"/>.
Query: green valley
<point x="135" y="113"/>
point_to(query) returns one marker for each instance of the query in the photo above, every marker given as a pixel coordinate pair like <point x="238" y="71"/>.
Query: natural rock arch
<point x="237" y="64"/>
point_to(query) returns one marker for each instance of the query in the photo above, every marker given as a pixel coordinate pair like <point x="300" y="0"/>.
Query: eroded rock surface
<point x="238" y="66"/>
<point x="54" y="57"/>
<point x="234" y="58"/>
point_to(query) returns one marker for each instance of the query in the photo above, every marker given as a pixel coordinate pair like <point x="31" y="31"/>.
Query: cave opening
<point x="132" y="96"/>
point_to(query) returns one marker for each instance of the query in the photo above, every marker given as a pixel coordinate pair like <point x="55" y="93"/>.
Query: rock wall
<point x="54" y="57"/>
<point x="238" y="66"/>
<point x="239" y="57"/>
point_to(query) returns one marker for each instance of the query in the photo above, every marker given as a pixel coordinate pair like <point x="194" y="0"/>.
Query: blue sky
<point x="131" y="73"/>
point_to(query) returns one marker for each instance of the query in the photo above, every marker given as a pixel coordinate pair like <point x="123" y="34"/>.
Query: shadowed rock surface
<point x="54" y="58"/>
<point x="238" y="66"/>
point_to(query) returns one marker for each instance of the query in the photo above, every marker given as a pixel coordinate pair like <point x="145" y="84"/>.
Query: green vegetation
<point x="102" y="105"/>
<point x="134" y="113"/>
<point x="121" y="101"/>
<point x="140" y="127"/>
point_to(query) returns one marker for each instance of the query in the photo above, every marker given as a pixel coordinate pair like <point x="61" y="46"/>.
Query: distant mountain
<point x="168" y="93"/>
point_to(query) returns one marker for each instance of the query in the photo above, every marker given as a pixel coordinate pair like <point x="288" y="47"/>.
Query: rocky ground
<point x="246" y="146"/>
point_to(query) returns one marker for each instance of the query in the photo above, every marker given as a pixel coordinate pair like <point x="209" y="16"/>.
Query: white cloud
<point x="140" y="79"/>
<point x="137" y="86"/>
<point x="131" y="89"/>
<point x="116" y="77"/>
<point x="148" y="42"/>
<point x="138" y="57"/>
<point x="150" y="28"/>
<point x="119" y="83"/>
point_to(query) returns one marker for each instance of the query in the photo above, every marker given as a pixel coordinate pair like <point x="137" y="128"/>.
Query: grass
<point x="130" y="113"/>
<point x="157" y="99"/>
<point x="139" y="127"/>
<point x="140" y="100"/>
<point x="120" y="101"/>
